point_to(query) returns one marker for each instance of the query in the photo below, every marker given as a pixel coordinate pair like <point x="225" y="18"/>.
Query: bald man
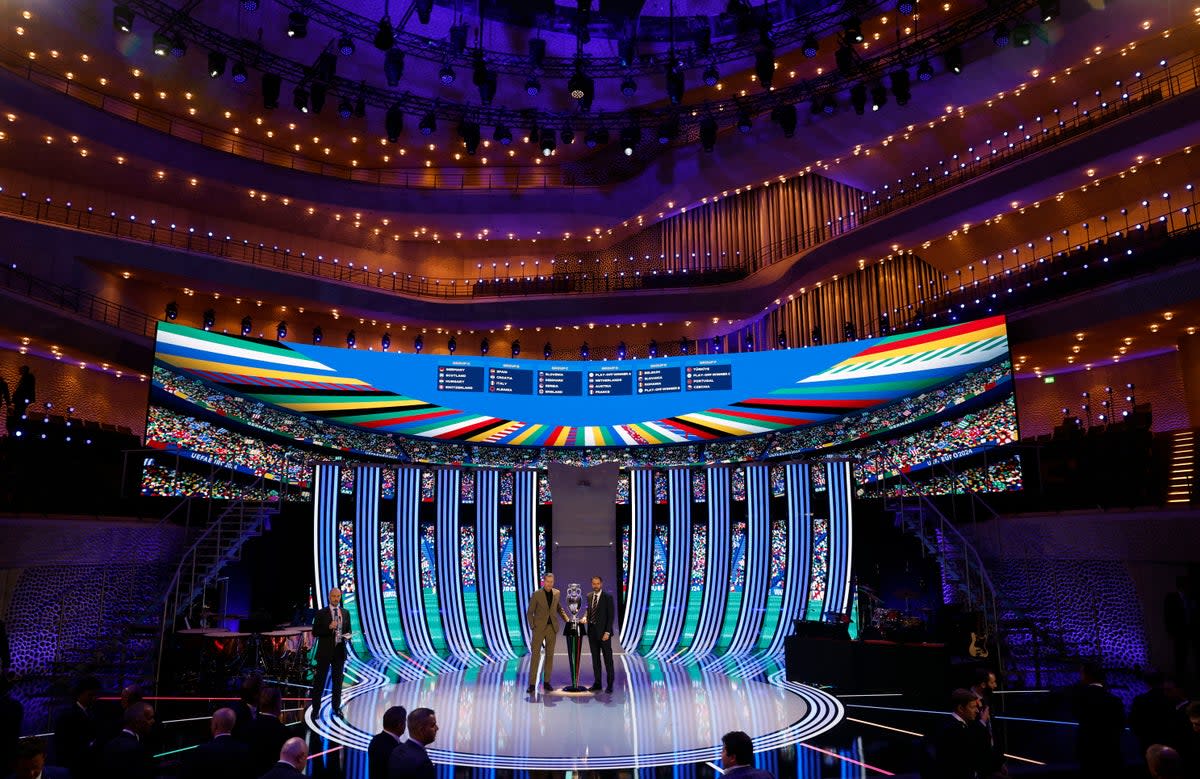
<point x="331" y="631"/>
<point x="126" y="755"/>
<point x="224" y="756"/>
<point x="293" y="759"/>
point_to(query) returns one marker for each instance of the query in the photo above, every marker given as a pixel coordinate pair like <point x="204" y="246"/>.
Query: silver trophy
<point x="573" y="633"/>
<point x="574" y="601"/>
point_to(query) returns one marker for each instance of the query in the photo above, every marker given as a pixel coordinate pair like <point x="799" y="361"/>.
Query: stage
<point x="661" y="712"/>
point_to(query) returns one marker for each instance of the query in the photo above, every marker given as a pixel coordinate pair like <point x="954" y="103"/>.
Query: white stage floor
<point x="660" y="713"/>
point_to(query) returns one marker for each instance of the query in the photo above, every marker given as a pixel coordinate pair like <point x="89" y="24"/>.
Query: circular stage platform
<point x="659" y="713"/>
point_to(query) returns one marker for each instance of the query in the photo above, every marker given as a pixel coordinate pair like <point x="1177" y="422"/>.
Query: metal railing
<point x="77" y="301"/>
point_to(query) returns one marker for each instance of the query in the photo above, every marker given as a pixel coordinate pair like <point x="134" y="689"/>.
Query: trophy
<point x="574" y="631"/>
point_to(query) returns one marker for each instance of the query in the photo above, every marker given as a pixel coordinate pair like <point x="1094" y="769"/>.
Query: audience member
<point x="737" y="757"/>
<point x="409" y="760"/>
<point x="109" y="715"/>
<point x="246" y="706"/>
<point x="1181" y="618"/>
<point x="1163" y="762"/>
<point x="385" y="742"/>
<point x="23" y="393"/>
<point x="984" y="686"/>
<point x="126" y="756"/>
<point x="266" y="733"/>
<point x="223" y="757"/>
<point x="75" y="729"/>
<point x="293" y="759"/>
<point x="1191" y="746"/>
<point x="31" y="762"/>
<point x="1101" y="718"/>
<point x="12" y="714"/>
<point x="959" y="749"/>
<point x="1159" y="715"/>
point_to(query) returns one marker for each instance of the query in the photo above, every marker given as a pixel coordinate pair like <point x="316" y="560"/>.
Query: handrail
<point x="77" y="301"/>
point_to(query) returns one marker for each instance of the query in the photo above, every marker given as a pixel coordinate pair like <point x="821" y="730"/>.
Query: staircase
<point x="1181" y="479"/>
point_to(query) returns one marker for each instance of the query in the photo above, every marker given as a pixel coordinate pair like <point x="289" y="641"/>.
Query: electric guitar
<point x="978" y="648"/>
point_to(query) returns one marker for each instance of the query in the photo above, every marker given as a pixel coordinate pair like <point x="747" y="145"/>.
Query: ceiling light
<point x="924" y="71"/>
<point x="393" y="66"/>
<point x="345" y="109"/>
<point x="906" y="7"/>
<point x="446" y="74"/>
<point x="858" y="98"/>
<point x="271" y="83"/>
<point x="852" y="29"/>
<point x="216" y="64"/>
<point x="385" y="36"/>
<point x="711" y="76"/>
<point x="708" y="133"/>
<point x="954" y="60"/>
<point x="122" y="18"/>
<point x="1001" y="37"/>
<point x="300" y="99"/>
<point x="764" y="66"/>
<point x="878" y="97"/>
<point x="575" y="85"/>
<point x="1022" y="34"/>
<point x="297" y="25"/>
<point x="345" y="45"/>
<point x="239" y="74"/>
<point x="250" y="5"/>
<point x="393" y="123"/>
<point x="161" y="44"/>
<point x="630" y="137"/>
<point x="829" y="105"/>
<point x="178" y="47"/>
<point x="568" y="135"/>
<point x="428" y="123"/>
<point x="548" y="143"/>
<point x="1050" y="10"/>
<point x="811" y="46"/>
<point x="743" y="122"/>
<point x="628" y="86"/>
<point x="469" y="132"/>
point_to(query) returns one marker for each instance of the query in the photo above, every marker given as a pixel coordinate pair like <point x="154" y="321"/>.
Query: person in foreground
<point x="737" y="757"/>
<point x="1163" y="762"/>
<point x="224" y="756"/>
<point x="542" y="614"/>
<point x="600" y="626"/>
<point x="385" y="742"/>
<point x="331" y="631"/>
<point x="960" y="749"/>
<point x="31" y="762"/>
<point x="293" y="759"/>
<point x="126" y="755"/>
<point x="410" y="760"/>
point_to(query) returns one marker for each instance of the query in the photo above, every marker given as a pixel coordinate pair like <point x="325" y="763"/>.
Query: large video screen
<point x="336" y="394"/>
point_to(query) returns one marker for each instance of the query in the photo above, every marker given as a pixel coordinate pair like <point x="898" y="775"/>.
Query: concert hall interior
<point x="838" y="358"/>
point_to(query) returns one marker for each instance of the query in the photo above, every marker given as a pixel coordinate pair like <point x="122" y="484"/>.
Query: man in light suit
<point x="331" y="630"/>
<point x="542" y="614"/>
<point x="599" y="632"/>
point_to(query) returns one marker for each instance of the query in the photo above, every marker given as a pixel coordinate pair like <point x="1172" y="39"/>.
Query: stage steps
<point x="1181" y="479"/>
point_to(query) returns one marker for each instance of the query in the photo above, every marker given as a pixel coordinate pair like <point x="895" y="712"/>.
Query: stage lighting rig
<point x="250" y="6"/>
<point x="547" y="142"/>
<point x="743" y="121"/>
<point x="668" y="130"/>
<point x="906" y="7"/>
<point x="297" y="25"/>
<point x="954" y="60"/>
<point x="469" y="132"/>
<point x="452" y="345"/>
<point x="652" y="349"/>
<point x="393" y="123"/>
<point x="172" y="311"/>
<point x="568" y="135"/>
<point x="238" y="73"/>
<point x="502" y="134"/>
<point x="319" y="91"/>
<point x="281" y="331"/>
<point x="122" y="18"/>
<point x="844" y="57"/>
<point x="247" y="325"/>
<point x="675" y="84"/>
<point x="785" y="115"/>
<point x="360" y="107"/>
<point x="711" y="76"/>
<point x="345" y="109"/>
<point x="317" y="335"/>
<point x="631" y="136"/>
<point x="924" y="71"/>
<point x="516" y="348"/>
<point x="351" y="339"/>
<point x="537" y="52"/>
<point x="458" y="38"/>
<point x="708" y="133"/>
<point x="852" y="30"/>
<point x="811" y="46"/>
<point x="1022" y="34"/>
<point x="209" y="318"/>
<point x="271" y="84"/>
<point x="764" y="66"/>
<point x="829" y="105"/>
<point x="216" y="64"/>
<point x="424" y="10"/>
<point x="300" y="99"/>
<point x="622" y="351"/>
<point x="716" y="344"/>
<point x="345" y="45"/>
<point x="1050" y="10"/>
<point x="385" y="35"/>
<point x="446" y="74"/>
<point x="1001" y="36"/>
<point x="160" y="45"/>
<point x="683" y="346"/>
<point x="628" y="86"/>
<point x="419" y="343"/>
<point x="585" y="351"/>
<point x="901" y="86"/>
<point x="386" y="341"/>
<point x="428" y="123"/>
<point x="547" y="351"/>
<point x="533" y="87"/>
<point x="858" y="98"/>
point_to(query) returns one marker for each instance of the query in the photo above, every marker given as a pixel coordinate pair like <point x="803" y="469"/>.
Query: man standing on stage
<point x="331" y="629"/>
<point x="542" y="614"/>
<point x="599" y="632"/>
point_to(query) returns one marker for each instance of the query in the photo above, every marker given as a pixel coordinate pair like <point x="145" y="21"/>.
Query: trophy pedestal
<point x="574" y="633"/>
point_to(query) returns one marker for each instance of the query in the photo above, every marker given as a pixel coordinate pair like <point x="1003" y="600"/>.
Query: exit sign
<point x="1048" y="379"/>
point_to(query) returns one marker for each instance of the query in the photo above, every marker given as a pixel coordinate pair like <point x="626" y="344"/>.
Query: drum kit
<point x="213" y="655"/>
<point x="899" y="625"/>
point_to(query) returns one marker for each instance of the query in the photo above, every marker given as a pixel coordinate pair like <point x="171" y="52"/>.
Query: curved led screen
<point x="542" y="403"/>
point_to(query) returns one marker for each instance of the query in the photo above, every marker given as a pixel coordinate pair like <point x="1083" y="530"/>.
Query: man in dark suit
<point x="75" y="729"/>
<point x="31" y="762"/>
<point x="960" y="748"/>
<point x="1159" y="715"/>
<point x="737" y="757"/>
<point x="266" y="733"/>
<point x="331" y="631"/>
<point x="410" y="760"/>
<point x="542" y="614"/>
<point x="246" y="706"/>
<point x="1181" y="618"/>
<point x="223" y="757"/>
<point x="12" y="715"/>
<point x="293" y="759"/>
<point x="126" y="755"/>
<point x="385" y="742"/>
<point x="1101" y="717"/>
<point x="599" y="632"/>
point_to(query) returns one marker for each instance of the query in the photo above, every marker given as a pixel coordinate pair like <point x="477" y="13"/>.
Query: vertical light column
<point x="525" y="540"/>
<point x="679" y="502"/>
<point x="799" y="552"/>
<point x="758" y="559"/>
<point x="368" y="480"/>
<point x="717" y="585"/>
<point x="326" y="483"/>
<point x="408" y="559"/>
<point x="449" y="568"/>
<point x="841" y="537"/>
<point x="641" y="540"/>
<point x="487" y="555"/>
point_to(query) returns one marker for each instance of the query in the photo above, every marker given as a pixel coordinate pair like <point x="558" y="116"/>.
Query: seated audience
<point x="126" y="756"/>
<point x="385" y="742"/>
<point x="223" y="757"/>
<point x="293" y="759"/>
<point x="266" y="734"/>
<point x="31" y="762"/>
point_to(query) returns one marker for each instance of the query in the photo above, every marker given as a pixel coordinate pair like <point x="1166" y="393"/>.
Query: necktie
<point x="337" y="625"/>
<point x="591" y="614"/>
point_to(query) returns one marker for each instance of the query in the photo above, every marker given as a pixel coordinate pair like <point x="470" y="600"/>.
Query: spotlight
<point x="743" y="122"/>
<point x="452" y="345"/>
<point x="216" y="64"/>
<point x="749" y="342"/>
<point x="345" y="109"/>
<point x="711" y="76"/>
<point x="683" y="346"/>
<point x="858" y="98"/>
<point x="351" y="339"/>
<point x="716" y="344"/>
<point x="360" y="107"/>
<point x="630" y="137"/>
<point x="271" y="84"/>
<point x="458" y="38"/>
<point x="652" y="349"/>
<point x="385" y="36"/>
<point x="852" y="29"/>
<point x="172" y="311"/>
<point x="318" y="97"/>
<point x="317" y="335"/>
<point x="246" y="325"/>
<point x="487" y="87"/>
<point x="628" y="86"/>
<point x="675" y="86"/>
<point x="250" y="5"/>
<point x="547" y="351"/>
<point x="516" y="348"/>
<point x="584" y="351"/>
<point x="848" y="331"/>
<point x="844" y="57"/>
<point x="595" y="136"/>
<point x="393" y="123"/>
<point x="576" y="84"/>
<point x="300" y="99"/>
<point x="428" y="123"/>
<point x="906" y="7"/>
<point x="668" y="130"/>
<point x="547" y="142"/>
<point x="210" y="318"/>
<point x="708" y="133"/>
<point x="622" y="351"/>
<point x="502" y="135"/>
<point x="829" y="104"/>
<point x="568" y="135"/>
<point x="161" y="44"/>
<point x="901" y="86"/>
<point x="1050" y="10"/>
<point x="469" y="131"/>
<point x="537" y="52"/>
<point x="178" y="47"/>
<point x="924" y="71"/>
<point x="345" y="45"/>
<point x="954" y="60"/>
<point x="485" y="346"/>
<point x="764" y="67"/>
<point x="386" y="342"/>
<point x="785" y="115"/>
<point x="1022" y="34"/>
<point x="281" y="331"/>
<point x="811" y="46"/>
<point x="781" y="340"/>
<point x="297" y="25"/>
<point x="1001" y="37"/>
<point x="626" y="51"/>
<point x="122" y="18"/>
<point x="239" y="74"/>
<point x="446" y="74"/>
<point x="424" y="10"/>
<point x="393" y="66"/>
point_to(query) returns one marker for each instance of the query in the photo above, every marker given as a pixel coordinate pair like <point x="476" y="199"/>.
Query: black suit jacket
<point x="960" y="751"/>
<point x="244" y="719"/>
<point x="322" y="631"/>
<point x="125" y="757"/>
<point x="378" y="754"/>
<point x="281" y="771"/>
<point x="265" y="736"/>
<point x="222" y="758"/>
<point x="603" y="618"/>
<point x="409" y="760"/>
<point x="74" y="732"/>
<point x="1101" y="717"/>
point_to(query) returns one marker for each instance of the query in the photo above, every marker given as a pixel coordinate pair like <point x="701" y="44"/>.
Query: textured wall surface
<point x="94" y="394"/>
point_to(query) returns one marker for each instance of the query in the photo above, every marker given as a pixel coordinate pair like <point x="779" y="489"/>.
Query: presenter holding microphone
<point x="543" y="613"/>
<point x="331" y="630"/>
